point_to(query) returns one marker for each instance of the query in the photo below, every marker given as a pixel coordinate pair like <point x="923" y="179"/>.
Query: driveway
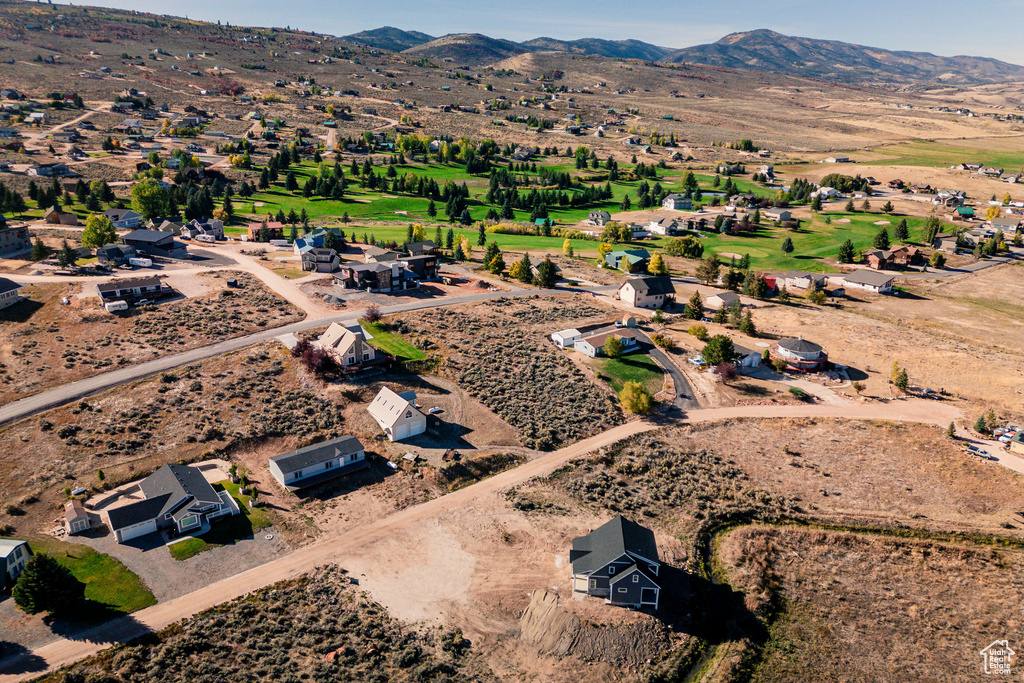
<point x="685" y="398"/>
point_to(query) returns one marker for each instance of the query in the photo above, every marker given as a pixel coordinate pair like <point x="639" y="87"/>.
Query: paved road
<point x="685" y="398"/>
<point x="335" y="549"/>
<point x="61" y="395"/>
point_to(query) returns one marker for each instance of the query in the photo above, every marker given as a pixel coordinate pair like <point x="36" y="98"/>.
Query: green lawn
<point x="635" y="367"/>
<point x="943" y="154"/>
<point x="392" y="343"/>
<point x="226" y="530"/>
<point x="106" y="580"/>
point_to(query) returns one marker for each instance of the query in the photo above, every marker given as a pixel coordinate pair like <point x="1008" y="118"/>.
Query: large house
<point x="318" y="463"/>
<point x="397" y="414"/>
<point x="9" y="292"/>
<point x="593" y="345"/>
<point x="422" y="267"/>
<point x="676" y="202"/>
<point x="376" y="277"/>
<point x="155" y="243"/>
<point x="210" y="227"/>
<point x="13" y="556"/>
<point x="663" y="226"/>
<point x="14" y="240"/>
<point x="347" y="345"/>
<point x="799" y="354"/>
<point x="124" y="218"/>
<point x="647" y="292"/>
<point x="617" y="561"/>
<point x="275" y="231"/>
<point x="378" y="255"/>
<point x="629" y="260"/>
<point x="424" y="248"/>
<point x="176" y="497"/>
<point x="320" y="259"/>
<point x="870" y="280"/>
<point x="598" y="217"/>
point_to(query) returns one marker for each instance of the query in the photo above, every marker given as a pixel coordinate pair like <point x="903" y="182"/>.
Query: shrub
<point x="719" y="349"/>
<point x="664" y="342"/>
<point x="373" y="314"/>
<point x="799" y="393"/>
<point x="698" y="331"/>
<point x="46" y="586"/>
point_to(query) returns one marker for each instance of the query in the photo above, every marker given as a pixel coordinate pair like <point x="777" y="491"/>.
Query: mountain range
<point x="761" y="50"/>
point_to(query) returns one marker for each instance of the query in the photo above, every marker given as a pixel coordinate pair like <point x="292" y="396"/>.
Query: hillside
<point x="389" y="38"/>
<point x="467" y="48"/>
<point x="617" y="49"/>
<point x="765" y="50"/>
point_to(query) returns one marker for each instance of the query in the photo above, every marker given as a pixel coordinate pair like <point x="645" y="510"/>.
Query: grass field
<point x="1009" y="156"/>
<point x="106" y="580"/>
<point x="389" y="342"/>
<point x="226" y="530"/>
<point x="635" y="367"/>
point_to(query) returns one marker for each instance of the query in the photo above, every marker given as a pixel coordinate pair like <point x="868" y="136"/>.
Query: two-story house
<point x="13" y="556"/>
<point x="619" y="562"/>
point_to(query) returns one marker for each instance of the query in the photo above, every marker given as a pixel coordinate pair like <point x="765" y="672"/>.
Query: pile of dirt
<point x="553" y="630"/>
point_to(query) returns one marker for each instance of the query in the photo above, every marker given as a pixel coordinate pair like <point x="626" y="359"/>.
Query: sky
<point x="986" y="28"/>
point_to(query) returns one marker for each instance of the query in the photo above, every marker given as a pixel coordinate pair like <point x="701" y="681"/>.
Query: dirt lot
<point x="324" y="286"/>
<point x="856" y="608"/>
<point x="44" y="343"/>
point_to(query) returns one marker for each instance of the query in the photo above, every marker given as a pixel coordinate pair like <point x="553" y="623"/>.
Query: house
<point x="798" y="279"/>
<point x="9" y="292"/>
<point x="1016" y="444"/>
<point x="376" y="277"/>
<point x="424" y="267"/>
<point x="963" y="213"/>
<point x="778" y="215"/>
<point x="318" y="463"/>
<point x="944" y="242"/>
<point x="397" y="414"/>
<point x="1009" y="224"/>
<point x="115" y="254"/>
<point x="870" y="280"/>
<point x="879" y="259"/>
<point x="677" y="202"/>
<point x="13" y="556"/>
<point x="593" y="345"/>
<point x="906" y="255"/>
<point x="424" y="248"/>
<point x="54" y="216"/>
<point x="837" y="159"/>
<point x="799" y="354"/>
<point x="175" y="497"/>
<point x="826" y="193"/>
<point x="76" y="519"/>
<point x="320" y="260"/>
<point x="275" y="231"/>
<point x="54" y="170"/>
<point x="629" y="260"/>
<point x="663" y="226"/>
<point x="14" y="240"/>
<point x="347" y="345"/>
<point x="617" y="561"/>
<point x="155" y="243"/>
<point x="123" y="218"/>
<point x="132" y="288"/>
<point x="211" y="227"/>
<point x="990" y="171"/>
<point x="598" y="218"/>
<point x="720" y="300"/>
<point x="647" y="292"/>
<point x="378" y="255"/>
<point x="566" y="338"/>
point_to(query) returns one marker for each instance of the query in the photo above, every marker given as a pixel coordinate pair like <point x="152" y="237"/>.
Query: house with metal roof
<point x="155" y="243"/>
<point x="176" y="498"/>
<point x="629" y="260"/>
<point x="318" y="463"/>
<point x="617" y="561"/>
<point x="397" y="414"/>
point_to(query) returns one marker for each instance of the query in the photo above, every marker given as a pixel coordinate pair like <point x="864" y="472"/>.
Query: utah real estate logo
<point x="997" y="657"/>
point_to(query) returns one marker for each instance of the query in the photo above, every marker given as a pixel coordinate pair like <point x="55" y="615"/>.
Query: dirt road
<point x="335" y="549"/>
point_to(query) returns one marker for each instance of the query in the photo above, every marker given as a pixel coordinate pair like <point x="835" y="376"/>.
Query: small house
<point x="155" y="243"/>
<point x="318" y="463"/>
<point x="423" y="248"/>
<point x="566" y="338"/>
<point x="720" y="300"/>
<point x="593" y="345"/>
<point x="397" y="414"/>
<point x="869" y="280"/>
<point x="799" y="354"/>
<point x="115" y="254"/>
<point x="617" y="561"/>
<point x="647" y="292"/>
<point x="9" y="292"/>
<point x="76" y="519"/>
<point x="13" y="556"/>
<point x="124" y="218"/>
<point x="628" y="260"/>
<point x="132" y="288"/>
<point x="321" y="260"/>
<point x="778" y="215"/>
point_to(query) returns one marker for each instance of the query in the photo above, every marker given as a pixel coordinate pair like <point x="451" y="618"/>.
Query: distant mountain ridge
<point x="760" y="50"/>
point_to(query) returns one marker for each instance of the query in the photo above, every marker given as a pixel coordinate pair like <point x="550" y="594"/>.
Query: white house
<point x="720" y="300"/>
<point x="837" y="159"/>
<point x="778" y="215"/>
<point x="9" y="292"/>
<point x="871" y="280"/>
<point x="348" y="346"/>
<point x="826" y="192"/>
<point x="647" y="292"/>
<point x="566" y="338"/>
<point x="318" y="463"/>
<point x="124" y="218"/>
<point x="592" y="346"/>
<point x="663" y="226"/>
<point x="13" y="556"/>
<point x="397" y="414"/>
<point x="676" y="202"/>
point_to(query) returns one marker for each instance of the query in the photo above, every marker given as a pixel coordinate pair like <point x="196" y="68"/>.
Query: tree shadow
<point x="16" y="659"/>
<point x="95" y="622"/>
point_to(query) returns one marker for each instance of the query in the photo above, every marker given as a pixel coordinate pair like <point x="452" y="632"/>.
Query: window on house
<point x="408" y="413"/>
<point x="623" y="590"/>
<point x="636" y="578"/>
<point x="366" y="356"/>
<point x="593" y="584"/>
<point x="298" y="473"/>
<point x="329" y="464"/>
<point x="611" y="570"/>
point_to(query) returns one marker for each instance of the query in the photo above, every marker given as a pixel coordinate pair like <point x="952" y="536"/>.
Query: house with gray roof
<point x="13" y="556"/>
<point x="175" y="497"/>
<point x="318" y="463"/>
<point x="619" y="562"/>
<point x="9" y="292"/>
<point x="870" y="280"/>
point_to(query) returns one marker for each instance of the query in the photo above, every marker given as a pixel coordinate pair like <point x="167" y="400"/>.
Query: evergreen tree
<point x="46" y="586"/>
<point x="901" y="232"/>
<point x="39" y="250"/>
<point x="481" y="238"/>
<point x="457" y="253"/>
<point x="846" y="252"/>
<point x="432" y="210"/>
<point x="747" y="326"/>
<point x="547" y="276"/>
<point x="787" y="246"/>
<point x="449" y="239"/>
<point x="694" y="309"/>
<point x="881" y="240"/>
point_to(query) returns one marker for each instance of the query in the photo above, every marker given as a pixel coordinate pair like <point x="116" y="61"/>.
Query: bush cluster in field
<point x="286" y="633"/>
<point x="469" y="470"/>
<point x="511" y="371"/>
<point x="649" y="476"/>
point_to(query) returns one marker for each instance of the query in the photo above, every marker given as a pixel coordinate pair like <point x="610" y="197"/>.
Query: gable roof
<point x="868" y="277"/>
<point x="598" y="340"/>
<point x="388" y="407"/>
<point x="128" y="283"/>
<point x="144" y="235"/>
<point x="7" y="545"/>
<point x="725" y="297"/>
<point x="612" y="540"/>
<point x="8" y="285"/>
<point x="316" y="453"/>
<point x="340" y="338"/>
<point x="651" y="285"/>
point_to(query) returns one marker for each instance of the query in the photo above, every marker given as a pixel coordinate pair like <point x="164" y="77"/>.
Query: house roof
<point x="118" y="214"/>
<point x="73" y="509"/>
<point x="128" y="283"/>
<point x="651" y="285"/>
<point x="7" y="285"/>
<point x="135" y="513"/>
<point x="424" y="245"/>
<point x="868" y="277"/>
<point x="727" y="298"/>
<point x="610" y="541"/>
<point x="340" y="338"/>
<point x="317" y="453"/>
<point x="7" y="545"/>
<point x="800" y="345"/>
<point x="598" y="340"/>
<point x="571" y="332"/>
<point x="144" y="235"/>
<point x="388" y="407"/>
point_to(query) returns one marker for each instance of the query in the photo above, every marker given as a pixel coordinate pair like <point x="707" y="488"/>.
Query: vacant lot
<point x="317" y="627"/>
<point x="45" y="343"/>
<point x="859" y="608"/>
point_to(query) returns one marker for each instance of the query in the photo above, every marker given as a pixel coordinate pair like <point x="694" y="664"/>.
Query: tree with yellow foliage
<point x="567" y="248"/>
<point x="657" y="266"/>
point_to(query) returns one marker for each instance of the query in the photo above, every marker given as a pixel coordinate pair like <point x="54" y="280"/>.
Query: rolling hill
<point x="765" y="50"/>
<point x="389" y="38"/>
<point x="617" y="49"/>
<point x="467" y="48"/>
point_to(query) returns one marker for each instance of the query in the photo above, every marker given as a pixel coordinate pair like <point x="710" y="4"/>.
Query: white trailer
<point x="207" y="239"/>
<point x="113" y="306"/>
<point x="140" y="262"/>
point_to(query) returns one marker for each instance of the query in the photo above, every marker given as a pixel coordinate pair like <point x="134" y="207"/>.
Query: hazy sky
<point x="988" y="28"/>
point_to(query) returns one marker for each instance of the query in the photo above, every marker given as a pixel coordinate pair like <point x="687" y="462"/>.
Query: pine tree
<point x="694" y="309"/>
<point x="481" y="238"/>
<point x="747" y="325"/>
<point x="432" y="210"/>
<point x="846" y="252"/>
<point x="881" y="240"/>
<point x="901" y="233"/>
<point x="39" y="250"/>
<point x="449" y="239"/>
<point x="547" y="276"/>
<point x="787" y="246"/>
<point x="457" y="253"/>
<point x="46" y="586"/>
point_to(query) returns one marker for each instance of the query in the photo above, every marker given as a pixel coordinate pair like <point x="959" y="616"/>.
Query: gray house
<point x="318" y="463"/>
<point x="13" y="556"/>
<point x="619" y="562"/>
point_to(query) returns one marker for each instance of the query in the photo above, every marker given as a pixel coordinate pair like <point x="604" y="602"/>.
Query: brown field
<point x="44" y="343"/>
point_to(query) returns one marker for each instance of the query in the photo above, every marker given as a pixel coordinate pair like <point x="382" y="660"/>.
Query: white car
<point x="698" y="361"/>
<point x="434" y="410"/>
